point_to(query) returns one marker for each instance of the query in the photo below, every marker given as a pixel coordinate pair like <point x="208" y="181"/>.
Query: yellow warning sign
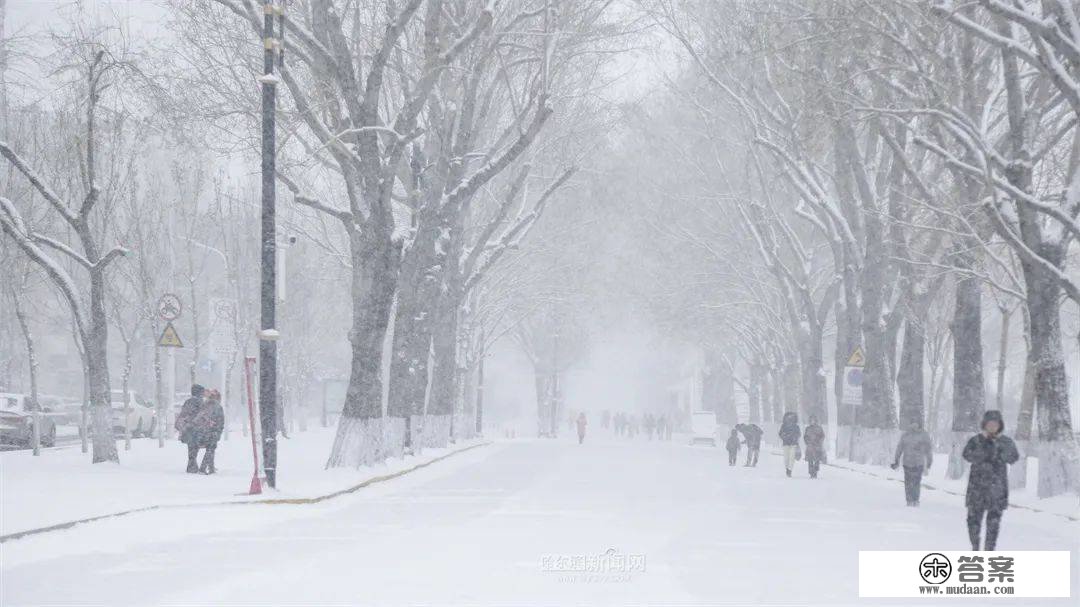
<point x="856" y="359"/>
<point x="169" y="337"/>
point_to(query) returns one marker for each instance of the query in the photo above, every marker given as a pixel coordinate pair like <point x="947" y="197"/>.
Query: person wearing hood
<point x="789" y="438"/>
<point x="185" y="426"/>
<point x="990" y="452"/>
<point x="753" y="434"/>
<point x="814" y="437"/>
<point x="917" y="451"/>
<point x="732" y="445"/>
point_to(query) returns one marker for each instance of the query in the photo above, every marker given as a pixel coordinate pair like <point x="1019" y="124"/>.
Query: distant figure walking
<point x="581" y="423"/>
<point x="990" y="453"/>
<point x="789" y="438"/>
<point x="753" y="434"/>
<point x="733" y="443"/>
<point x="661" y="428"/>
<point x="814" y="437"/>
<point x="650" y="424"/>
<point x="185" y="426"/>
<point x="916" y="449"/>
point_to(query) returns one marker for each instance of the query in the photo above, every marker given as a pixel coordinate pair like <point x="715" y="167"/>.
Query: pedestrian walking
<point x="650" y="424"/>
<point x="185" y="426"/>
<point x="733" y="443"/>
<point x="814" y="437"/>
<point x="916" y="452"/>
<point x="789" y="438"/>
<point x="990" y="452"/>
<point x="661" y="428"/>
<point x="209" y="423"/>
<point x="753" y="434"/>
<point x="581" y="423"/>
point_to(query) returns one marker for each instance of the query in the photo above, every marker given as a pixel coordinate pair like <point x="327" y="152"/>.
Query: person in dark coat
<point x="753" y="434"/>
<point x="814" y="437"/>
<point x="789" y="438"/>
<point x="917" y="451"/>
<point x="185" y="425"/>
<point x="732" y="445"/>
<point x="990" y="452"/>
<point x="209" y="423"/>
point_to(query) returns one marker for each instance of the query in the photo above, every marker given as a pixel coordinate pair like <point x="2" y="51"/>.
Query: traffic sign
<point x="169" y="337"/>
<point x="223" y="312"/>
<point x="169" y="307"/>
<point x="857" y="359"/>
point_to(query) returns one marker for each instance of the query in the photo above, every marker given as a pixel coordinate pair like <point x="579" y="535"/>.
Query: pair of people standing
<point x="200" y="424"/>
<point x="814" y="437"/>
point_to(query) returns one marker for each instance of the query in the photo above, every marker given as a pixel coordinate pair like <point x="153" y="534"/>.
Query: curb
<point x="942" y="489"/>
<point x="274" y="501"/>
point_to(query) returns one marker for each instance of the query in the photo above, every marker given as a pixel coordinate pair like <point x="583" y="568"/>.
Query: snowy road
<point x="475" y="529"/>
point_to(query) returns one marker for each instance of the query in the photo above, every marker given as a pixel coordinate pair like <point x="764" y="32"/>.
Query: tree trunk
<point x="753" y="393"/>
<point x="363" y="437"/>
<point x="969" y="399"/>
<point x="1057" y="450"/>
<point x="31" y="367"/>
<point x="909" y="377"/>
<point x="1003" y="357"/>
<point x="813" y="380"/>
<point x="97" y="363"/>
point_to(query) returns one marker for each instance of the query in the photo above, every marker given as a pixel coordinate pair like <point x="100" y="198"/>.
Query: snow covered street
<point x="485" y="526"/>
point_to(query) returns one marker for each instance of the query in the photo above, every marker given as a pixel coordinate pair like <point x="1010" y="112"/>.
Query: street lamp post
<point x="220" y="355"/>
<point x="268" y="306"/>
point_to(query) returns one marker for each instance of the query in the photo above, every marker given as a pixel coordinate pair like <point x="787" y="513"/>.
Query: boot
<point x="192" y="467"/>
<point x="789" y="472"/>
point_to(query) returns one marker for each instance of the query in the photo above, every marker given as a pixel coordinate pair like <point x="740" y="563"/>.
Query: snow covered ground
<point x="62" y="486"/>
<point x="485" y="526"/>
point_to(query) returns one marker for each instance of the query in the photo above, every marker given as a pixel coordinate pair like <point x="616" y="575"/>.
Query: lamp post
<point x="221" y="355"/>
<point x="268" y="333"/>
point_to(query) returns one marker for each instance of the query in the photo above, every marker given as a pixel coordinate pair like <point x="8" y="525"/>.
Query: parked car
<point x="17" y="421"/>
<point x="135" y="414"/>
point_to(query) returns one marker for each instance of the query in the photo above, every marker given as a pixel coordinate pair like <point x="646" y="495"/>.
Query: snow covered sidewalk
<point x="1066" y="506"/>
<point x="62" y="486"/>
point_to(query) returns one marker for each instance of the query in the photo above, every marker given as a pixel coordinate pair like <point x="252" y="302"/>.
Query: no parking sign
<point x="853" y="378"/>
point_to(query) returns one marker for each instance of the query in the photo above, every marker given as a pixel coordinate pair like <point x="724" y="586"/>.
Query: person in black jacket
<point x="789" y="438"/>
<point x="753" y="434"/>
<point x="733" y="447"/>
<point x="990" y="453"/>
<point x="185" y="426"/>
<point x="814" y="437"/>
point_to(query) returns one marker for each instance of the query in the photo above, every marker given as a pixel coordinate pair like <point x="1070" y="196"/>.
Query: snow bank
<point x="62" y="485"/>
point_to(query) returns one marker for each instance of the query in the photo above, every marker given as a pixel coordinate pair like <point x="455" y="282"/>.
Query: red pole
<point x="256" y="485"/>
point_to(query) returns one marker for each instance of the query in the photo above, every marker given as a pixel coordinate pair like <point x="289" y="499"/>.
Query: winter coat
<point x="733" y="443"/>
<point x="209" y="423"/>
<point x="988" y="481"/>
<point x="184" y="421"/>
<point x="814" y="437"/>
<point x="789" y="430"/>
<point x="916" y="448"/>
<point x="581" y="422"/>
<point x="753" y="435"/>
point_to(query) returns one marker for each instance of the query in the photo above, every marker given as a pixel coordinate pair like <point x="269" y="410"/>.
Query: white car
<point x="17" y="420"/>
<point x="133" y="413"/>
